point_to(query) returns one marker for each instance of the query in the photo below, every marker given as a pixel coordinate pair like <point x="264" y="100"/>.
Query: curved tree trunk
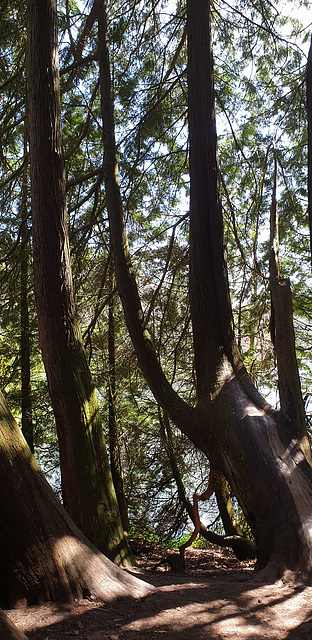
<point x="125" y="277"/>
<point x="43" y="555"/>
<point x="254" y="446"/>
<point x="88" y="491"/>
<point x="233" y="539"/>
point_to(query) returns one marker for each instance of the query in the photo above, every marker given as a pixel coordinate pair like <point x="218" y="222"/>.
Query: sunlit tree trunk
<point x="43" y="555"/>
<point x="254" y="446"/>
<point x="88" y="490"/>
<point x="8" y="630"/>
<point x="283" y="336"/>
<point x="257" y="450"/>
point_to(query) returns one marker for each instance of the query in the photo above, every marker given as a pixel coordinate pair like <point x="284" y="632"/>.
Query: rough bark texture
<point x="283" y="337"/>
<point x="260" y="458"/>
<point x="88" y="490"/>
<point x="8" y="631"/>
<point x="251" y="443"/>
<point x="226" y="509"/>
<point x="43" y="556"/>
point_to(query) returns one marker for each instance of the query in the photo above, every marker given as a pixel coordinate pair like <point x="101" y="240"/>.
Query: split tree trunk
<point x="257" y="450"/>
<point x="88" y="490"/>
<point x="43" y="555"/>
<point x="253" y="445"/>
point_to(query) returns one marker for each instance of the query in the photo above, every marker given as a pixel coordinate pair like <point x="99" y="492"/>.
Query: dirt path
<point x="216" y="599"/>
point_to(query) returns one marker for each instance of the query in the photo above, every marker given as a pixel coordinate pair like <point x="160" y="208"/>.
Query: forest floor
<point x="216" y="598"/>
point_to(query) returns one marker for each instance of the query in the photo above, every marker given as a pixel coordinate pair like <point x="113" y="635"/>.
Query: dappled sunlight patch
<point x="186" y="607"/>
<point x="195" y="608"/>
<point x="269" y="611"/>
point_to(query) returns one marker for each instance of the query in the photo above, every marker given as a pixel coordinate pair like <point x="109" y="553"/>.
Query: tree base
<point x="8" y="629"/>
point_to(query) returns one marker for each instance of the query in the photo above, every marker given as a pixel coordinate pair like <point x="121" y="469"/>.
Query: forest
<point x="156" y="318"/>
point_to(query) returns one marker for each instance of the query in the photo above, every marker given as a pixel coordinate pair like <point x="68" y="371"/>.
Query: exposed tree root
<point x="8" y="631"/>
<point x="96" y="575"/>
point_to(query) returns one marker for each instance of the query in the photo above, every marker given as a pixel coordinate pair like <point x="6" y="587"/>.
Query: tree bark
<point x="226" y="509"/>
<point x="283" y="337"/>
<point x="43" y="555"/>
<point x="114" y="446"/>
<point x="260" y="458"/>
<point x="309" y="114"/>
<point x="88" y="490"/>
<point x="243" y="437"/>
<point x="27" y="424"/>
<point x="125" y="277"/>
<point x="8" y="629"/>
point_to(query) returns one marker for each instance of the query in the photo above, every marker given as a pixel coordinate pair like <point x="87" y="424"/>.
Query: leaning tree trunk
<point x="233" y="539"/>
<point x="88" y="491"/>
<point x="125" y="277"/>
<point x="254" y="446"/>
<point x="43" y="555"/>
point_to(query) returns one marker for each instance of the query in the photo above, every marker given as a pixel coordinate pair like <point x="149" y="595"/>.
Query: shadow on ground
<point x="220" y="603"/>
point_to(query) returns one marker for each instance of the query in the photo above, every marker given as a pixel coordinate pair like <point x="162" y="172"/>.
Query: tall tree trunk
<point x="283" y="337"/>
<point x="309" y="114"/>
<point x="242" y="435"/>
<point x="114" y="447"/>
<point x="43" y="555"/>
<point x="255" y="449"/>
<point x="27" y="423"/>
<point x="88" y="490"/>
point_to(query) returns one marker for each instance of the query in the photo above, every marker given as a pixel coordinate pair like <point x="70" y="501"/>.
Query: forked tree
<point x="262" y="452"/>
